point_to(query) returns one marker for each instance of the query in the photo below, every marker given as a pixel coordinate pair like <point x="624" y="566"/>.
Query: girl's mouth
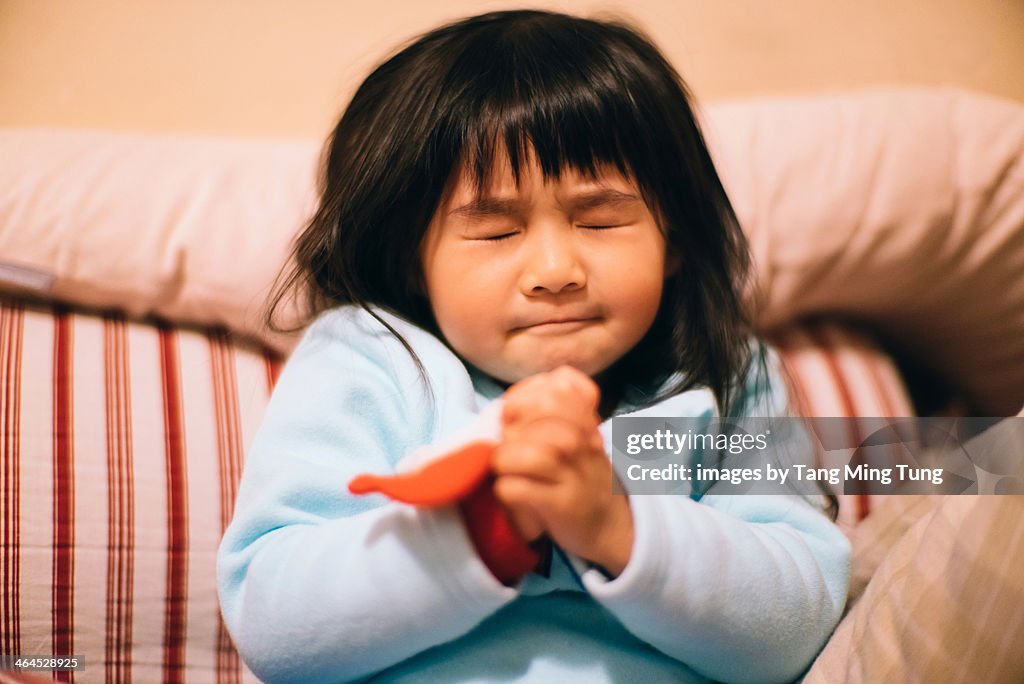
<point x="559" y="326"/>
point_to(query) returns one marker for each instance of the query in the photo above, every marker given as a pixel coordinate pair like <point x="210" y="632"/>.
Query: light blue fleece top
<point x="317" y="585"/>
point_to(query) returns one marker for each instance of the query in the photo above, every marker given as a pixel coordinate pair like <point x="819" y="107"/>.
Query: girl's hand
<point x="552" y="474"/>
<point x="564" y="391"/>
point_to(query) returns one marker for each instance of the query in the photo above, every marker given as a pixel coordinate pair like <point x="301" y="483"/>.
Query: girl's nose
<point x="552" y="263"/>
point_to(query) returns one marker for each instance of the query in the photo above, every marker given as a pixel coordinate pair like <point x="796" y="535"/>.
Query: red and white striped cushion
<point x="836" y="372"/>
<point x="121" y="445"/>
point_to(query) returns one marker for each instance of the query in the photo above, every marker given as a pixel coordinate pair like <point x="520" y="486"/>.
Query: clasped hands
<point x="552" y="475"/>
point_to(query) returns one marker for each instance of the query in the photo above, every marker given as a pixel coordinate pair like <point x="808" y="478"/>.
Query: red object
<point x="499" y="546"/>
<point x="442" y="481"/>
<point x="462" y="477"/>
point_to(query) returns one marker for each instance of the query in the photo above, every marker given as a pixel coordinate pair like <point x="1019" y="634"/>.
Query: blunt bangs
<point x="554" y="89"/>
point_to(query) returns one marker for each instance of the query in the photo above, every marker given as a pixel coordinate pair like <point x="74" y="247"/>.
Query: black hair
<point x="575" y="93"/>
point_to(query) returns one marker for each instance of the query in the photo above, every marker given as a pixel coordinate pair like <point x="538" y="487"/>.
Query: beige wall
<point x="285" y="67"/>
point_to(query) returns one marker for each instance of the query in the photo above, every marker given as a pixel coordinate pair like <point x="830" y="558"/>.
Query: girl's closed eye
<point x="491" y="233"/>
<point x="595" y="224"/>
<point x="605" y="221"/>
<point x="500" y="236"/>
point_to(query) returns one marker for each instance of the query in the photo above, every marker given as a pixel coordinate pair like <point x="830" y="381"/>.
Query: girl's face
<point x="525" y="279"/>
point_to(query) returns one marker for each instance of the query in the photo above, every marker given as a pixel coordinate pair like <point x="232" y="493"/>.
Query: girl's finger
<point x="563" y="382"/>
<point x="559" y="394"/>
<point x="531" y="402"/>
<point x="573" y="382"/>
<point x="565" y="437"/>
<point x="526" y="458"/>
<point x="518" y="495"/>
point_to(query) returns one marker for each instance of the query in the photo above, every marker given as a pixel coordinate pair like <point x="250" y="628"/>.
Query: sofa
<point x="887" y="228"/>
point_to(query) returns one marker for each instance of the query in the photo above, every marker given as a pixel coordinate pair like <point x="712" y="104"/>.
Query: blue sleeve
<point x="317" y="585"/>
<point x="743" y="588"/>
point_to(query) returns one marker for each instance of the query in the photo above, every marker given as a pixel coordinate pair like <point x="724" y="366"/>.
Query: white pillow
<point x="191" y="229"/>
<point x="903" y="209"/>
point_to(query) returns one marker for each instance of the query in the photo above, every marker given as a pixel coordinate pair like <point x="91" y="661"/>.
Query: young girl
<point x="519" y="215"/>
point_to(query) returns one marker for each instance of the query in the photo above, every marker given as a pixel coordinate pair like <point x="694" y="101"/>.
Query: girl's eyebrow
<point x="596" y="198"/>
<point x="493" y="206"/>
<point x="486" y="206"/>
